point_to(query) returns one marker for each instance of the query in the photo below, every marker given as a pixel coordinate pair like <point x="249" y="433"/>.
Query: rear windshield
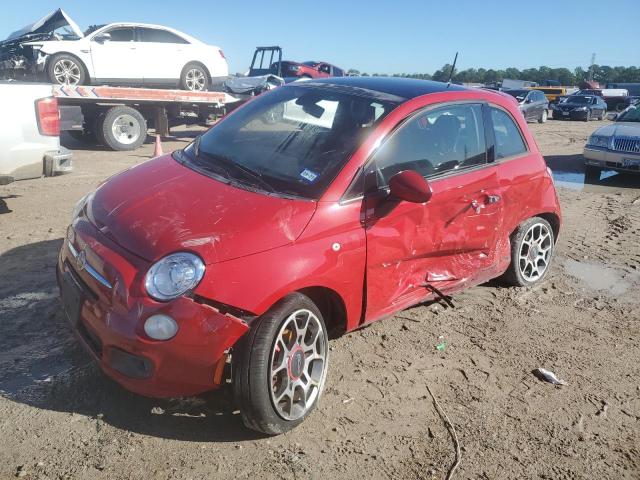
<point x="518" y="94"/>
<point x="579" y="99"/>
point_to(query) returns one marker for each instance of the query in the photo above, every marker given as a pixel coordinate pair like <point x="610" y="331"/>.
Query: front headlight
<point x="80" y="205"/>
<point x="598" y="141"/>
<point x="174" y="275"/>
<point x="580" y="109"/>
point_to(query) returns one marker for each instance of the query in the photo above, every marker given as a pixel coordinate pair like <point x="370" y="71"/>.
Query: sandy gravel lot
<point x="60" y="417"/>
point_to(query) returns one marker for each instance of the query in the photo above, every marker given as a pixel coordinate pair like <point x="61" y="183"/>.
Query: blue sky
<point x="384" y="36"/>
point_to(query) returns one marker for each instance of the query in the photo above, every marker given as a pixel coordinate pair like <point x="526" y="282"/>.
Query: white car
<point x="118" y="54"/>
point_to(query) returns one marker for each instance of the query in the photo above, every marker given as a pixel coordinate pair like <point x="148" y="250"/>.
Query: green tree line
<point x="600" y="73"/>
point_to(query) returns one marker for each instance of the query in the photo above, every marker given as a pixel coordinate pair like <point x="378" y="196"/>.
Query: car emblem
<point x="81" y="260"/>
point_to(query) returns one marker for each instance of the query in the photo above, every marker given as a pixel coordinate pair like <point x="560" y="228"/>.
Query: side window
<point x="434" y="142"/>
<point x="324" y="68"/>
<point x="159" y="36"/>
<point x="121" y="34"/>
<point x="509" y="141"/>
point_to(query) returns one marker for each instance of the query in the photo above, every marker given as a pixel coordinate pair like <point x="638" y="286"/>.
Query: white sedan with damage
<point x="132" y="54"/>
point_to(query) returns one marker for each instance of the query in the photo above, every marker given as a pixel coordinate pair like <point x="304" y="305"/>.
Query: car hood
<point x="48" y="24"/>
<point x="620" y="129"/>
<point x="161" y="206"/>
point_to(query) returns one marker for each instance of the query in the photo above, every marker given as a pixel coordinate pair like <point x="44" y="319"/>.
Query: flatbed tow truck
<point x="118" y="117"/>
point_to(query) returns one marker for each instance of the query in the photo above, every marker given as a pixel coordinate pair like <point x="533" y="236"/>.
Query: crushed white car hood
<point x="48" y="23"/>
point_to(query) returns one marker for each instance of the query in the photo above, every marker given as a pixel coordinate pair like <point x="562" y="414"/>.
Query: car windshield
<point x="631" y="114"/>
<point x="292" y="141"/>
<point x="578" y="99"/>
<point x="310" y="63"/>
<point x="519" y="94"/>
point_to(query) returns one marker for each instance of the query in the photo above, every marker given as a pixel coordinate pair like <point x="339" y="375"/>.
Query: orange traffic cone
<point x="158" y="149"/>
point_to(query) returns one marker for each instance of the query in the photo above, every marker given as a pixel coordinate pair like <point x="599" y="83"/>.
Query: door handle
<point x="476" y="206"/>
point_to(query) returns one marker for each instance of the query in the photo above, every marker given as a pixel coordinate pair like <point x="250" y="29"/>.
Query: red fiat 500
<point x="316" y="207"/>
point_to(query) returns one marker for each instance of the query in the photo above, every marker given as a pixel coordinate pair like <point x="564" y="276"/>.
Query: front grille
<point x="626" y="144"/>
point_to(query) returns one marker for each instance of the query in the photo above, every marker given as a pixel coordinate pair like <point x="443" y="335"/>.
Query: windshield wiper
<point x="224" y="161"/>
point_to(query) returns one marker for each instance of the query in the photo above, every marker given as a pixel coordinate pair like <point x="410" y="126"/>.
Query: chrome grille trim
<point x="627" y="144"/>
<point x="89" y="268"/>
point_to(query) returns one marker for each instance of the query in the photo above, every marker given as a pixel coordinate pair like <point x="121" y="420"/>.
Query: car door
<point x="447" y="241"/>
<point x="530" y="105"/>
<point x="163" y="54"/>
<point x="116" y="58"/>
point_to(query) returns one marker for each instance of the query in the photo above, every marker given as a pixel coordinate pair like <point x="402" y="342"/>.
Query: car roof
<point x="406" y="88"/>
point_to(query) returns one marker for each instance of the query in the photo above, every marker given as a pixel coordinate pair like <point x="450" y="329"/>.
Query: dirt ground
<point x="60" y="417"/>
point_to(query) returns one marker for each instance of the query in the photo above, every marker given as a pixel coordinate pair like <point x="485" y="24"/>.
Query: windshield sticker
<point x="308" y="175"/>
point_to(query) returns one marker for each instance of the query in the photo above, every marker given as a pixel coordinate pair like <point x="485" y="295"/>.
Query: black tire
<point x="74" y="67"/>
<point x="543" y="116"/>
<point x="587" y="116"/>
<point x="251" y="366"/>
<point x="603" y="115"/>
<point x="514" y="275"/>
<point x="592" y="173"/>
<point x="194" y="77"/>
<point x="133" y="128"/>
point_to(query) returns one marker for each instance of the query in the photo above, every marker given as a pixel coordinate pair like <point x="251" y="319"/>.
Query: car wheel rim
<point x="535" y="252"/>
<point x="298" y="364"/>
<point x="126" y="129"/>
<point x="195" y="79"/>
<point x="66" y="72"/>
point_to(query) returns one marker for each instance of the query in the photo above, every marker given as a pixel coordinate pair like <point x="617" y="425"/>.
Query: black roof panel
<point x="406" y="88"/>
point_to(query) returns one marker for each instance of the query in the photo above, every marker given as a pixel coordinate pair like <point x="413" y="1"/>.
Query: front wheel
<point x="63" y="69"/>
<point x="587" y="117"/>
<point x="280" y="366"/>
<point x="532" y="248"/>
<point x="592" y="174"/>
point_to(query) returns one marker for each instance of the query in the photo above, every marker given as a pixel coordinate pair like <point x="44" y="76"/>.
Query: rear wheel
<point x="122" y="128"/>
<point x="194" y="77"/>
<point x="543" y="117"/>
<point x="280" y="366"/>
<point x="532" y="248"/>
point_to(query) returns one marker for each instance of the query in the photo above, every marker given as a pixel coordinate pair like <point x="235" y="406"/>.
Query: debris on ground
<point x="548" y="376"/>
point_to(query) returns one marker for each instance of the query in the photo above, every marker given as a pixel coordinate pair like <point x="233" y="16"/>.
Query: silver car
<point x="615" y="146"/>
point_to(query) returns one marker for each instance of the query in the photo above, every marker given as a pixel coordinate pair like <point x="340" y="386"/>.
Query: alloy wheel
<point x="195" y="79"/>
<point x="535" y="252"/>
<point x="298" y="364"/>
<point x="66" y="72"/>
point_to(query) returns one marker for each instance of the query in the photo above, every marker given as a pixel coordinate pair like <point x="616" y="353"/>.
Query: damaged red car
<point x="315" y="208"/>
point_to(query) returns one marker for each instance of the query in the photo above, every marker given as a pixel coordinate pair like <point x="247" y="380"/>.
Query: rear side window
<point x="509" y="141"/>
<point x="123" y="34"/>
<point x="434" y="142"/>
<point x="159" y="36"/>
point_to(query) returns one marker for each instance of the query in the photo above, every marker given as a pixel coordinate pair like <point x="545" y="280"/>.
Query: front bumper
<point x="110" y="312"/>
<point x="612" y="160"/>
<point x="572" y="115"/>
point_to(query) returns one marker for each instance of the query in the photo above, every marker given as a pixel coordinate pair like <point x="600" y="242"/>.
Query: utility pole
<point x="593" y="62"/>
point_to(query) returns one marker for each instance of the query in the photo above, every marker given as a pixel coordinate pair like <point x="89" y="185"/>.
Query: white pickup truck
<point x="30" y="133"/>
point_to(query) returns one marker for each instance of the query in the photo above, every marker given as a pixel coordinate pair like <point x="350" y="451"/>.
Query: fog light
<point x="160" y="327"/>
